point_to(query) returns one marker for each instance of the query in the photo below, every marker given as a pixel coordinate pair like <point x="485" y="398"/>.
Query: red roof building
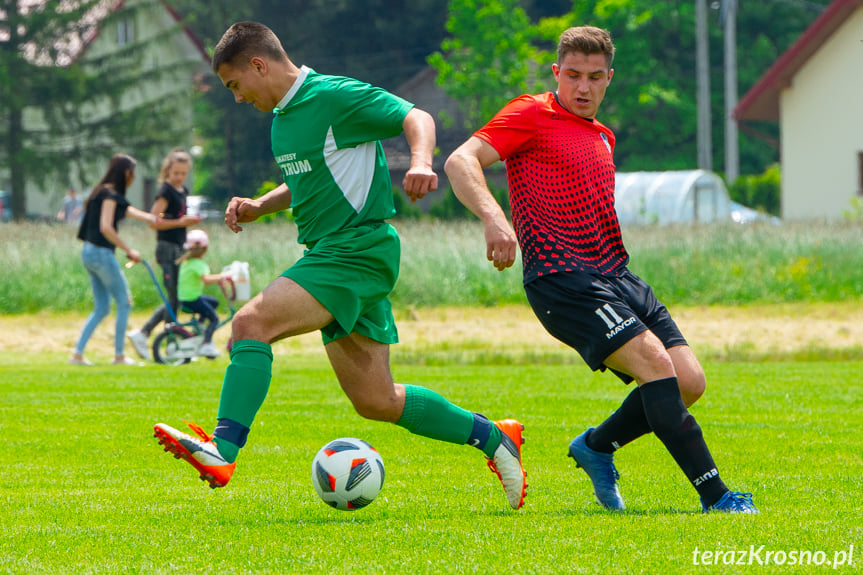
<point x="815" y="92"/>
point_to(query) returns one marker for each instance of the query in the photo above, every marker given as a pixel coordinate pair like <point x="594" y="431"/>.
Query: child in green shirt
<point x="194" y="275"/>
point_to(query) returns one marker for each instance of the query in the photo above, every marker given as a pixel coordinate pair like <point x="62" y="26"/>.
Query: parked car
<point x="5" y="206"/>
<point x="744" y="215"/>
<point x="204" y="207"/>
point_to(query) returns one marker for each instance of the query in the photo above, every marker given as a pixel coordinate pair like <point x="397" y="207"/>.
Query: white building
<point x="170" y="68"/>
<point x="815" y="92"/>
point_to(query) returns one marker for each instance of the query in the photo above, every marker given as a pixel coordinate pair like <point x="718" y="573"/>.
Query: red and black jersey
<point x="560" y="170"/>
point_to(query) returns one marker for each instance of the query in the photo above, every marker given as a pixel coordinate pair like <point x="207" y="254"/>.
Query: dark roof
<point x="761" y="102"/>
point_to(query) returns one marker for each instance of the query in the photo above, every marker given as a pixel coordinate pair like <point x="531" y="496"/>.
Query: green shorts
<point x="352" y="273"/>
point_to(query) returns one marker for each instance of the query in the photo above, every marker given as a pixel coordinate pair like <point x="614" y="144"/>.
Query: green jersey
<point x="325" y="137"/>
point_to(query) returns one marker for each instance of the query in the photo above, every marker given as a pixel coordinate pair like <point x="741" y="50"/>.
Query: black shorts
<point x="596" y="315"/>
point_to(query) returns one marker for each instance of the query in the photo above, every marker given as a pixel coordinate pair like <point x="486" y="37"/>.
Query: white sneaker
<point x="139" y="342"/>
<point x="208" y="350"/>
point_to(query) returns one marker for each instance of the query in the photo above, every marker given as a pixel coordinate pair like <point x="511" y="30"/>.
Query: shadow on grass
<point x="629" y="512"/>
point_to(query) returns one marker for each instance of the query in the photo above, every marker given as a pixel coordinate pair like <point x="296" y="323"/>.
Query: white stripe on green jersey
<point x="326" y="136"/>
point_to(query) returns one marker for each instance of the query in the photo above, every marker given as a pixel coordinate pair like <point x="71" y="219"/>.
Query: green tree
<point x="28" y="39"/>
<point x="62" y="111"/>
<point x="651" y="103"/>
<point x="489" y="57"/>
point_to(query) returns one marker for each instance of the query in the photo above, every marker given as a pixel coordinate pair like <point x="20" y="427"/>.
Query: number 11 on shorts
<point x="612" y="321"/>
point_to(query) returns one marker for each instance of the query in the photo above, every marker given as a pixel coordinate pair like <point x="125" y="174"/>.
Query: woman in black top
<point x="170" y="208"/>
<point x="103" y="211"/>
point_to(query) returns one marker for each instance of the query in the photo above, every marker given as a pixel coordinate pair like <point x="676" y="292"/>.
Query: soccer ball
<point x="348" y="473"/>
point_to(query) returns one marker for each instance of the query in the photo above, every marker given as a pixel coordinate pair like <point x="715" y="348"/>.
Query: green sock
<point x="428" y="414"/>
<point x="494" y="440"/>
<point x="245" y="387"/>
<point x="228" y="450"/>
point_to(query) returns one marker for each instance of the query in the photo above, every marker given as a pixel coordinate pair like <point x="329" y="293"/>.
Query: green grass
<point x="444" y="264"/>
<point x="85" y="488"/>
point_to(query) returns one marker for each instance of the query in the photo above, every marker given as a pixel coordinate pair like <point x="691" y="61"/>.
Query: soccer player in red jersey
<point x="560" y="171"/>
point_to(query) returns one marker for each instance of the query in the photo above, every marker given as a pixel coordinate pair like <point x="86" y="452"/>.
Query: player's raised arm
<point x="420" y="178"/>
<point x="464" y="169"/>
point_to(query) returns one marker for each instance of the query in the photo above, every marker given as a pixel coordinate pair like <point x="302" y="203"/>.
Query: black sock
<point x="626" y="424"/>
<point x="680" y="433"/>
<point x="230" y="430"/>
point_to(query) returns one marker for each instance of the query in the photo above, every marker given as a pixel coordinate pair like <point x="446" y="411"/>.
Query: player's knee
<point x="244" y="325"/>
<point x="375" y="408"/>
<point x="369" y="409"/>
<point x="654" y="366"/>
<point x="692" y="387"/>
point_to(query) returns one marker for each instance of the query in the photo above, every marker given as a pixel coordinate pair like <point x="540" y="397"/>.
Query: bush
<point x="444" y="263"/>
<point x="283" y="216"/>
<point x="855" y="212"/>
<point x="761" y="192"/>
<point x="404" y="208"/>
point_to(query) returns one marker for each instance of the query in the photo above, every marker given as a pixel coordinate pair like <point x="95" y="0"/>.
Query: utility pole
<point x="702" y="72"/>
<point x="732" y="152"/>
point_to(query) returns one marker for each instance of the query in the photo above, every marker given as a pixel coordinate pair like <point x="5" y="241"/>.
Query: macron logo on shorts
<point x="615" y="323"/>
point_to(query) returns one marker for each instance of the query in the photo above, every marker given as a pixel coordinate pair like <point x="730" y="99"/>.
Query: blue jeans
<point x="107" y="281"/>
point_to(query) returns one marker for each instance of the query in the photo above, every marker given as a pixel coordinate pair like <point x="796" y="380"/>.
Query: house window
<point x="125" y="31"/>
<point x="860" y="173"/>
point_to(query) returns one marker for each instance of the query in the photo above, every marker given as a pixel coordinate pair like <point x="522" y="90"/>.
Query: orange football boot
<point x="201" y="453"/>
<point x="506" y="462"/>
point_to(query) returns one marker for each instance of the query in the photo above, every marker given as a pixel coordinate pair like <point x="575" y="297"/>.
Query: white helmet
<point x="196" y="239"/>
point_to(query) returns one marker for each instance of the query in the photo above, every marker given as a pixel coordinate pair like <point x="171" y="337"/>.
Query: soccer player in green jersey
<point x="325" y="138"/>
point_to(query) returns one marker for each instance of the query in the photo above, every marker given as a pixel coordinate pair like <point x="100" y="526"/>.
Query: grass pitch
<point x="85" y="488"/>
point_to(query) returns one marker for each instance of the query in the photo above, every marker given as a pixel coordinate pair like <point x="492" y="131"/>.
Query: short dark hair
<point x="245" y="40"/>
<point x="585" y="40"/>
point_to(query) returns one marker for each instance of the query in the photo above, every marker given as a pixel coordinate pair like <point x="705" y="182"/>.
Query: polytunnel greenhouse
<point x="675" y="197"/>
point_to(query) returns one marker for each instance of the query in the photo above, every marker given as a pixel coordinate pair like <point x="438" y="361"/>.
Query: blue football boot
<point x="732" y="502"/>
<point x="600" y="468"/>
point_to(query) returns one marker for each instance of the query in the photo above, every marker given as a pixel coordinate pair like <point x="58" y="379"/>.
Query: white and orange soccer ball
<point x="348" y="473"/>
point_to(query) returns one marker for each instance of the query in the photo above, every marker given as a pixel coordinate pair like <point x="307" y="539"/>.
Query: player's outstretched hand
<point x="501" y="243"/>
<point x="418" y="182"/>
<point x="241" y="211"/>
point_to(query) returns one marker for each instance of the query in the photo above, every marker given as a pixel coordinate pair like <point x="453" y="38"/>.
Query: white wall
<point x="177" y="58"/>
<point x="822" y="128"/>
